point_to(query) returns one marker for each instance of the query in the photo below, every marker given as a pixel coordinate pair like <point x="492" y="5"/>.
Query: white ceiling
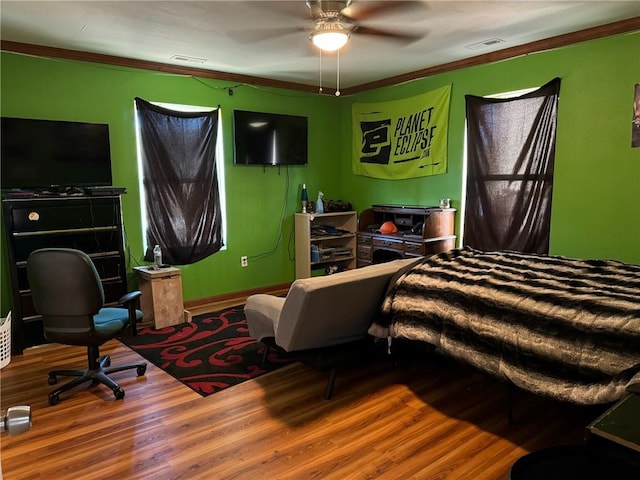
<point x="232" y="36"/>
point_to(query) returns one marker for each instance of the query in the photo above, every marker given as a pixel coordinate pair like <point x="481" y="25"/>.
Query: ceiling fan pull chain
<point x="338" y="76"/>
<point x="320" y="90"/>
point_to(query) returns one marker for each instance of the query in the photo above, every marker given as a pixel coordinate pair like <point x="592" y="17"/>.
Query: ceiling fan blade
<point x="359" y="11"/>
<point x="262" y="34"/>
<point x="400" y="36"/>
<point x="294" y="10"/>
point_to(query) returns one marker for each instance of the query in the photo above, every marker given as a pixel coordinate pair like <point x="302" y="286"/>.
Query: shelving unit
<point x="316" y="250"/>
<point x="90" y="224"/>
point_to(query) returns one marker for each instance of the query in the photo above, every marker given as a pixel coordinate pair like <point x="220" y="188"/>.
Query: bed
<point x="556" y="326"/>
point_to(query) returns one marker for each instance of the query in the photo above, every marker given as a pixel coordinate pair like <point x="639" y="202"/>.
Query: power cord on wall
<point x="282" y="217"/>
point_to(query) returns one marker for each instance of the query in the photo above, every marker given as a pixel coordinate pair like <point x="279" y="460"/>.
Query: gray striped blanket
<point x="556" y="326"/>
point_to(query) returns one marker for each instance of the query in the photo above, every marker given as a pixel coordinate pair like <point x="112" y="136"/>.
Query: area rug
<point x="209" y="354"/>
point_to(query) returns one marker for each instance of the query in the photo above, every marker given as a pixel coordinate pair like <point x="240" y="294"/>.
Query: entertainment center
<point x="57" y="192"/>
<point x="90" y="224"/>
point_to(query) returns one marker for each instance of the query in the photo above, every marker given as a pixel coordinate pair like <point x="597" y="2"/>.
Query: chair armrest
<point x="129" y="300"/>
<point x="129" y="297"/>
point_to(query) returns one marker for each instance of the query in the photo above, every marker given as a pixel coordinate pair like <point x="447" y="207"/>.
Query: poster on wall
<point x="635" y="124"/>
<point x="401" y="139"/>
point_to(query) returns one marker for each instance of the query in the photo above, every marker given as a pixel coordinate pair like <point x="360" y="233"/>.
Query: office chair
<point x="67" y="292"/>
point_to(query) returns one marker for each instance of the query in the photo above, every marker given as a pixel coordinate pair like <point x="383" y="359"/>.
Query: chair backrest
<point x="66" y="291"/>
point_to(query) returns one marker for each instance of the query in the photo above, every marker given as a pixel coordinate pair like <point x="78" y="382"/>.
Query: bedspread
<point x="556" y="326"/>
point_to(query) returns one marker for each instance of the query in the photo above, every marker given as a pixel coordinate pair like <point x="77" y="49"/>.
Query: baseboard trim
<point x="236" y="297"/>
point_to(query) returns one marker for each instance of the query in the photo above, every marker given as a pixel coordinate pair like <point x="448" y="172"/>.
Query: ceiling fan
<point x="336" y="20"/>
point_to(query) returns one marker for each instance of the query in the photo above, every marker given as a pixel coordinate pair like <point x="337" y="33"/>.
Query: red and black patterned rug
<point x="211" y="353"/>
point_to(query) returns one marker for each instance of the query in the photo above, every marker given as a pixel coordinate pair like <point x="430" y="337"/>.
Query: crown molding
<point x="78" y="55"/>
<point x="601" y="31"/>
<point x="615" y="28"/>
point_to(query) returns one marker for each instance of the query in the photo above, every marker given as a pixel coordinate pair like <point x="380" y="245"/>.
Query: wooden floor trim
<point x="208" y="304"/>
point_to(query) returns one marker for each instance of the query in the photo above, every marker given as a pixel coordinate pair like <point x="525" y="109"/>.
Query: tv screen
<point x="269" y="138"/>
<point x="40" y="154"/>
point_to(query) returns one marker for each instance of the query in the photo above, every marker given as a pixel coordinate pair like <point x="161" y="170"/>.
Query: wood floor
<point x="435" y="420"/>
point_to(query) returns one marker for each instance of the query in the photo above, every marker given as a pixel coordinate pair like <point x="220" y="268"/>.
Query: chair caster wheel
<point x="141" y="370"/>
<point x="52" y="380"/>
<point x="53" y="399"/>
<point x="118" y="393"/>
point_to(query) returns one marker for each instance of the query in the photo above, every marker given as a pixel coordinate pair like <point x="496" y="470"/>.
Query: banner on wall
<point x="403" y="138"/>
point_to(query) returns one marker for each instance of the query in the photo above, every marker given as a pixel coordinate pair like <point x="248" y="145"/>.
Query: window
<point x="180" y="177"/>
<point x="509" y="179"/>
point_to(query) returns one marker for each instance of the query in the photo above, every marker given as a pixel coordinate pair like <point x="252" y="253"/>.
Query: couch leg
<point x="332" y="380"/>
<point x="265" y="353"/>
<point x="510" y="408"/>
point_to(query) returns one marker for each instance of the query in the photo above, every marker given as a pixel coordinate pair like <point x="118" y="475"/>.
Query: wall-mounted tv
<point x="40" y="154"/>
<point x="269" y="138"/>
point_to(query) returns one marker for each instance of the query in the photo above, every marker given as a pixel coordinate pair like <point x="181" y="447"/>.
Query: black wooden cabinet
<point x="90" y="224"/>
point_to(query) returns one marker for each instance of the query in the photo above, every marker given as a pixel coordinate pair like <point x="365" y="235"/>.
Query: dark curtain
<point x="178" y="152"/>
<point x="510" y="156"/>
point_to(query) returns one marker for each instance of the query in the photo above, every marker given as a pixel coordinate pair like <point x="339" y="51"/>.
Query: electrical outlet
<point x="244" y="261"/>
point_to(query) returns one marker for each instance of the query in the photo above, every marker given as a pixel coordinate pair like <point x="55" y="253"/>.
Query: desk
<point x="422" y="231"/>
<point x="161" y="300"/>
<point x="621" y="423"/>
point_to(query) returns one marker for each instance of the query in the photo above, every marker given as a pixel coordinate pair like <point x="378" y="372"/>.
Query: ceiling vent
<point x="484" y="44"/>
<point x="186" y="58"/>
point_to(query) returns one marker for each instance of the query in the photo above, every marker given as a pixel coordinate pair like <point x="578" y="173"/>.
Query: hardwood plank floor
<point x="435" y="420"/>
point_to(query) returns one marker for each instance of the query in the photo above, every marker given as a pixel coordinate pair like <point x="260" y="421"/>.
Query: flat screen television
<point x="45" y="154"/>
<point x="269" y="138"/>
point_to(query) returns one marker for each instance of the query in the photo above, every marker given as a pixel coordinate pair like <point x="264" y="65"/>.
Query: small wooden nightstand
<point x="161" y="300"/>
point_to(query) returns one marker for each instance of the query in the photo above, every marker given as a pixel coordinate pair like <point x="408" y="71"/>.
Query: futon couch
<point x="322" y="320"/>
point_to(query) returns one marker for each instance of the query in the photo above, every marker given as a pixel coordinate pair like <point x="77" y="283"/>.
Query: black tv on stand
<point x="53" y="155"/>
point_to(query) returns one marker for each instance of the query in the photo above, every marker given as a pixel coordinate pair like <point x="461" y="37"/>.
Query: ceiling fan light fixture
<point x="330" y="36"/>
<point x="329" y="41"/>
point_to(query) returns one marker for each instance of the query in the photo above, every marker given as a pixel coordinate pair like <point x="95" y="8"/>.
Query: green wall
<point x="260" y="202"/>
<point x="596" y="196"/>
<point x="596" y="204"/>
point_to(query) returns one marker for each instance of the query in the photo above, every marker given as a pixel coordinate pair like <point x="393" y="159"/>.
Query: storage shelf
<point x="65" y="231"/>
<point x="333" y="260"/>
<point x="331" y="237"/>
<point x="94" y="256"/>
<point x="342" y="221"/>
